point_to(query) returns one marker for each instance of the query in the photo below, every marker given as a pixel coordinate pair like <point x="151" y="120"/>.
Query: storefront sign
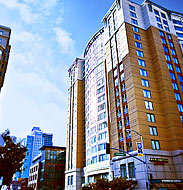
<point x="167" y="181"/>
<point x="158" y="161"/>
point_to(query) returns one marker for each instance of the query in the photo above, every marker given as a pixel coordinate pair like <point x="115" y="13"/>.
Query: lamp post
<point x="128" y="130"/>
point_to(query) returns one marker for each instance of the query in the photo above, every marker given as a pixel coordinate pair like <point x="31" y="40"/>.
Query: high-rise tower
<point x="140" y="84"/>
<point x="4" y="51"/>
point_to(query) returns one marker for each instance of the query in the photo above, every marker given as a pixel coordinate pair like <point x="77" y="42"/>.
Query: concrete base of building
<point x="164" y="169"/>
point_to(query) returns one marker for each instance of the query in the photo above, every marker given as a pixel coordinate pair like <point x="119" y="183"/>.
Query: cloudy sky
<point x="46" y="37"/>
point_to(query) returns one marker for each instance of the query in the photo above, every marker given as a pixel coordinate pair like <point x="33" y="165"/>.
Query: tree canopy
<point x="11" y="158"/>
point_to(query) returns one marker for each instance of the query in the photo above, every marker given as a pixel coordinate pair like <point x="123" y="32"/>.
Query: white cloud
<point x="25" y="11"/>
<point x="66" y="43"/>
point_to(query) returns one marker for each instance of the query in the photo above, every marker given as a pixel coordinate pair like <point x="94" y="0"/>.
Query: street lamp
<point x="129" y="130"/>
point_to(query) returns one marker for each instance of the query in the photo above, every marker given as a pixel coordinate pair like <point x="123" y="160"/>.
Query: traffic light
<point x="107" y="146"/>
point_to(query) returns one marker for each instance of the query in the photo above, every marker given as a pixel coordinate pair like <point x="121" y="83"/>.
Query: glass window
<point x="149" y="105"/>
<point x="143" y="72"/>
<point x="122" y="77"/>
<point x="118" y="102"/>
<point x="120" y="125"/>
<point x="155" y="145"/>
<point x="102" y="126"/>
<point x="121" y="67"/>
<point x="117" y="92"/>
<point x="131" y="169"/>
<point x="137" y="37"/>
<point x="158" y="19"/>
<point x="170" y="44"/>
<point x="116" y="82"/>
<point x="123" y="170"/>
<point x="140" y="53"/>
<point x="175" y="87"/>
<point x="103" y="157"/>
<point x="179" y="35"/>
<point x="173" y="51"/>
<point x="160" y="25"/>
<point x="101" y="98"/>
<point x="133" y="21"/>
<point x="181" y="118"/>
<point x="150" y="7"/>
<point x="163" y="15"/>
<point x="161" y="33"/>
<point x="133" y="14"/>
<point x="153" y="131"/>
<point x="180" y="78"/>
<point x="163" y="41"/>
<point x="176" y="22"/>
<point x="150" y="117"/>
<point x="145" y="82"/>
<point x="118" y="113"/>
<point x="101" y="107"/>
<point x="147" y="93"/>
<point x="135" y="29"/>
<point x="181" y="86"/>
<point x="178" y="69"/>
<point x="165" y="49"/>
<point x="101" y="147"/>
<point x="167" y="57"/>
<point x="172" y="76"/>
<point x="167" y="28"/>
<point x="71" y="179"/>
<point x="68" y="180"/>
<point x="177" y="97"/>
<point x="1" y="32"/>
<point x="156" y="12"/>
<point x="138" y="45"/>
<point x="165" y="22"/>
<point x="115" y="72"/>
<point x="169" y="36"/>
<point x="94" y="160"/>
<point x="175" y="60"/>
<point x="170" y="67"/>
<point x="141" y="62"/>
<point x="178" y="28"/>
<point x="131" y="7"/>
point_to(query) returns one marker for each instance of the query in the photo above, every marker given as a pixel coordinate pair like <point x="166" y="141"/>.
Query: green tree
<point x="11" y="158"/>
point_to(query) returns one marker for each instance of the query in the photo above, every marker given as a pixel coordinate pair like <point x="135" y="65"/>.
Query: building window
<point x="117" y="92"/>
<point x="170" y="44"/>
<point x="123" y="88"/>
<point x="103" y="157"/>
<point x="101" y="107"/>
<point x="131" y="7"/>
<point x="155" y="145"/>
<point x="1" y="32"/>
<point x="175" y="60"/>
<point x="175" y="87"/>
<point x="101" y="147"/>
<point x="137" y="37"/>
<point x="167" y="57"/>
<point x="178" y="28"/>
<point x="179" y="35"/>
<point x="118" y="113"/>
<point x="123" y="170"/>
<point x="150" y="7"/>
<point x="143" y="72"/>
<point x="165" y="22"/>
<point x="133" y="14"/>
<point x="173" y="52"/>
<point x="122" y="77"/>
<point x="131" y="169"/>
<point x="180" y="107"/>
<point x="147" y="93"/>
<point x="177" y="97"/>
<point x="181" y="86"/>
<point x="150" y="117"/>
<point x="169" y="36"/>
<point x="158" y="19"/>
<point x="116" y="82"/>
<point x="120" y="125"/>
<point x="71" y="179"/>
<point x="133" y="21"/>
<point x="135" y="29"/>
<point x="170" y="67"/>
<point x="149" y="105"/>
<point x="153" y="131"/>
<point x="180" y="78"/>
<point x="163" y="15"/>
<point x="102" y="126"/>
<point x="118" y="102"/>
<point x="163" y="41"/>
<point x="161" y="33"/>
<point x="145" y="82"/>
<point x="165" y="49"/>
<point x="181" y="118"/>
<point x="172" y="76"/>
<point x="160" y="25"/>
<point x="94" y="160"/>
<point x="167" y="28"/>
<point x="140" y="53"/>
<point x="138" y="45"/>
<point x="177" y="22"/>
<point x="100" y="90"/>
<point x="178" y="69"/>
<point x="156" y="12"/>
<point x="141" y="62"/>
<point x="115" y="72"/>
<point x="101" y="98"/>
<point x="68" y="182"/>
<point x="121" y="67"/>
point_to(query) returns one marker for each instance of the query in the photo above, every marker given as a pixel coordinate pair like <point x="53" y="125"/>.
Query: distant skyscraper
<point x="4" y="51"/>
<point x="33" y="143"/>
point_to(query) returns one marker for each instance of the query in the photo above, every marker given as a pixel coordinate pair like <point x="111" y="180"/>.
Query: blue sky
<point x="46" y="37"/>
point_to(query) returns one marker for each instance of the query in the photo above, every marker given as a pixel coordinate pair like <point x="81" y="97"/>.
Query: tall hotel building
<point x="126" y="88"/>
<point x="4" y="52"/>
